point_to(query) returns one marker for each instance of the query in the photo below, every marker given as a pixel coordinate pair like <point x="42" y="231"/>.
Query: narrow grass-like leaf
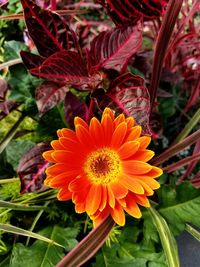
<point x="19" y="231"/>
<point x="188" y="127"/>
<point x="192" y="231"/>
<point x="14" y="206"/>
<point x="175" y="149"/>
<point x="167" y="239"/>
<point x="89" y="245"/>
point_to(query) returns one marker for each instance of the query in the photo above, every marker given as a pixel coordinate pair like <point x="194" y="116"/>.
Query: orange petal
<point x="61" y="180"/>
<point x="145" y="155"/>
<point x="142" y="200"/>
<point x="133" y="133"/>
<point x="147" y="189"/>
<point x="130" y="122"/>
<point x="93" y="199"/>
<point x="111" y="197"/>
<point x="96" y="131"/>
<point x="68" y="133"/>
<point x="119" y="120"/>
<point x="63" y="156"/>
<point x="71" y="145"/>
<point x="78" y="184"/>
<point x="59" y="133"/>
<point x="128" y="149"/>
<point x="122" y="202"/>
<point x="118" y="214"/>
<point x="80" y="207"/>
<point x="78" y="120"/>
<point x="108" y="128"/>
<point x="56" y="145"/>
<point x="60" y="167"/>
<point x="132" y="207"/>
<point x="136" y="167"/>
<point x="131" y="184"/>
<point x="150" y="182"/>
<point x="144" y="141"/>
<point x="108" y="111"/>
<point x="64" y="194"/>
<point x="155" y="172"/>
<point x="119" y="190"/>
<point x="104" y="197"/>
<point x="118" y="135"/>
<point x="83" y="136"/>
<point x="47" y="155"/>
<point x="100" y="217"/>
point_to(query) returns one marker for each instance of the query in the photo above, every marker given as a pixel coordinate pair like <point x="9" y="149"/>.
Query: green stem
<point x="11" y="133"/>
<point x="188" y="127"/>
<point x="10" y="180"/>
<point x="193" y="232"/>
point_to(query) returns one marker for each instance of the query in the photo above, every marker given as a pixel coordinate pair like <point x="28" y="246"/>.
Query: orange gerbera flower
<point x="102" y="167"/>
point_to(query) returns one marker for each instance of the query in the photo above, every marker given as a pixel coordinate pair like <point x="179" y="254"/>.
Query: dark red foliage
<point x="48" y="95"/>
<point x="3" y="89"/>
<point x="6" y="107"/>
<point x="31" y="169"/>
<point x="112" y="49"/>
<point x="74" y="107"/>
<point x="64" y="66"/>
<point x="30" y="60"/>
<point x="128" y="12"/>
<point x="47" y="29"/>
<point x="128" y="94"/>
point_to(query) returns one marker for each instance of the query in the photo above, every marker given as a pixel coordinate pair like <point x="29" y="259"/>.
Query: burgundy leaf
<point x="47" y="30"/>
<point x="30" y="60"/>
<point x="48" y="95"/>
<point x="130" y="11"/>
<point x="127" y="94"/>
<point x="3" y="89"/>
<point x="6" y="107"/>
<point x="74" y="107"/>
<point x="31" y="169"/>
<point x="64" y="66"/>
<point x="3" y="2"/>
<point x="112" y="49"/>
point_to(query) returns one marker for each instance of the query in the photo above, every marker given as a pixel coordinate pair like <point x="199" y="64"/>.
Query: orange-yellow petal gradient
<point x="102" y="166"/>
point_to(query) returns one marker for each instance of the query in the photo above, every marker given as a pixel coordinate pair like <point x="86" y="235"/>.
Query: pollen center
<point x="102" y="166"/>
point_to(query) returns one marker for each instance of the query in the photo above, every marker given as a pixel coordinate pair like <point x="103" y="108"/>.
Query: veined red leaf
<point x="112" y="49"/>
<point x="127" y="94"/>
<point x="6" y="107"/>
<point x="47" y="29"/>
<point x="31" y="169"/>
<point x="64" y="66"/>
<point x="130" y="11"/>
<point x="73" y="107"/>
<point x="30" y="60"/>
<point x="48" y="95"/>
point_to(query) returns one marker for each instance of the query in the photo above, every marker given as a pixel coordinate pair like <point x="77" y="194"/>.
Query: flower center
<point x="102" y="166"/>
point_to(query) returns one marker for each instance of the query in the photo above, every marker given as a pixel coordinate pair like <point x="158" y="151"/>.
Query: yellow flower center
<point x="103" y="166"/>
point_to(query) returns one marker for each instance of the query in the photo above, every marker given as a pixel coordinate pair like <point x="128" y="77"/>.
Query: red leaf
<point x="31" y="60"/>
<point x="48" y="31"/>
<point x="74" y="107"/>
<point x="131" y="96"/>
<point x="127" y="94"/>
<point x="48" y="95"/>
<point x="31" y="169"/>
<point x="64" y="66"/>
<point x="6" y="107"/>
<point x="112" y="49"/>
<point x="130" y="11"/>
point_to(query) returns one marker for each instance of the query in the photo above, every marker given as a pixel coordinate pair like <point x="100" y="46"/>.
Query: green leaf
<point x="12" y="49"/>
<point x="166" y="237"/>
<point x="16" y="149"/>
<point x="179" y="207"/>
<point x="19" y="231"/>
<point x="41" y="254"/>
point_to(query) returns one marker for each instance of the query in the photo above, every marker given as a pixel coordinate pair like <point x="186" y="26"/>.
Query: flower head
<point x="103" y="167"/>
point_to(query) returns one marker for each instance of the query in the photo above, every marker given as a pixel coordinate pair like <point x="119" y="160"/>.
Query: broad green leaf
<point x="41" y="254"/>
<point x="179" y="207"/>
<point x="12" y="49"/>
<point x="167" y="238"/>
<point x="16" y="149"/>
<point x="19" y="231"/>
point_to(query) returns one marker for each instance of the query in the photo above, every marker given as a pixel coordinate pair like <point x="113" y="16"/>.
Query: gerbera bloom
<point x="102" y="167"/>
